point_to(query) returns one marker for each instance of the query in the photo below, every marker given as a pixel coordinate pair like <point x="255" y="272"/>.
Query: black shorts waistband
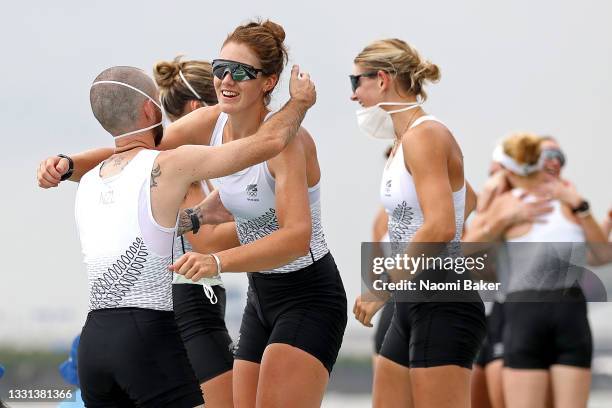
<point x="571" y="294"/>
<point x="130" y="310"/>
<point x="322" y="263"/>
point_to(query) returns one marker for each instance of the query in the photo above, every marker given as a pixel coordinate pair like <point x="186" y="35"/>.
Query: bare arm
<point x="210" y="238"/>
<point x="567" y="194"/>
<point x="53" y="168"/>
<point x="493" y="187"/>
<point x="284" y="245"/>
<point x="209" y="211"/>
<point x="606" y="225"/>
<point x="380" y="227"/>
<point x="292" y="239"/>
<point x="426" y="154"/>
<point x="470" y="200"/>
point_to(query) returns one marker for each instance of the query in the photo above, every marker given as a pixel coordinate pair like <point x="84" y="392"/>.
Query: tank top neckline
<point x="118" y="175"/>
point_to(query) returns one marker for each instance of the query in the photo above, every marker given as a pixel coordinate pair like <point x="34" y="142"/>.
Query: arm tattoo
<point x="117" y="161"/>
<point x="185" y="225"/>
<point x="156" y="172"/>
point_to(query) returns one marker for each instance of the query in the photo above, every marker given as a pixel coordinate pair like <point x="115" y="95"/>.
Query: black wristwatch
<point x="582" y="209"/>
<point x="68" y="174"/>
<point x="195" y="221"/>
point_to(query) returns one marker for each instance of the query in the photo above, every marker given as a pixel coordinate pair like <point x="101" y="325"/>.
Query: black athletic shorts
<point x="540" y="334"/>
<point x="493" y="345"/>
<point x="383" y="324"/>
<point x="132" y="357"/>
<point x="202" y="328"/>
<point x="431" y="334"/>
<point x="305" y="309"/>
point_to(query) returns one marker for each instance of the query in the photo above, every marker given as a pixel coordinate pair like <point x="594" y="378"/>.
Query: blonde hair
<point x="403" y="61"/>
<point x="523" y="147"/>
<point x="174" y="92"/>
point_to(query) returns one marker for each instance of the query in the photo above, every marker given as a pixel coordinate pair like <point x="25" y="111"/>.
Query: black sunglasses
<point x="355" y="78"/>
<point x="554" y="154"/>
<point x="238" y="70"/>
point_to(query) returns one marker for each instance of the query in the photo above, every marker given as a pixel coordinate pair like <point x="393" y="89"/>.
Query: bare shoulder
<point x="299" y="146"/>
<point x="193" y="128"/>
<point x="308" y="143"/>
<point x="428" y="132"/>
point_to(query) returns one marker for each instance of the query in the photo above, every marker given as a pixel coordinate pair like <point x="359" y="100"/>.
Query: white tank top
<point x="540" y="259"/>
<point x="181" y="246"/>
<point x="126" y="252"/>
<point x="250" y="196"/>
<point x="555" y="228"/>
<point x="399" y="197"/>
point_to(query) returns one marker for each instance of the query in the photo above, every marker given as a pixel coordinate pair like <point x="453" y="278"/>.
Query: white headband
<point x="509" y="163"/>
<point x="140" y="92"/>
<point x="188" y="85"/>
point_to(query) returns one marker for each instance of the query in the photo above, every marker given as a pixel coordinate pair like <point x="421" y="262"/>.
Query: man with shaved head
<point x="130" y="353"/>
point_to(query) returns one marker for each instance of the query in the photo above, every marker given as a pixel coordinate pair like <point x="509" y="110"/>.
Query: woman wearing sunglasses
<point x="185" y="86"/>
<point x="429" y="347"/>
<point x="295" y="316"/>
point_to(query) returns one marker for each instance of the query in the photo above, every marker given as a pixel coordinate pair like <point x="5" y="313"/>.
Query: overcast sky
<point x="541" y="66"/>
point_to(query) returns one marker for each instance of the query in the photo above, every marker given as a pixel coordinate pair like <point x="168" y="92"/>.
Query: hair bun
<point x="276" y="30"/>
<point x="523" y="147"/>
<point x="430" y="71"/>
<point x="165" y="72"/>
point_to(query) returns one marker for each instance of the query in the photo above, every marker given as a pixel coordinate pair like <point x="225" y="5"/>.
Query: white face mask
<point x="140" y="92"/>
<point x="377" y="123"/>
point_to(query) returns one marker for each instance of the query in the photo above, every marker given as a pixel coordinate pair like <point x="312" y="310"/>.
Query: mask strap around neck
<point x="408" y="105"/>
<point x="143" y="94"/>
<point x="131" y="87"/>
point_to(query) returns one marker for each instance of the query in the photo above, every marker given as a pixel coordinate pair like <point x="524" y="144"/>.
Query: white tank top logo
<point x="251" y="191"/>
<point x="388" y="188"/>
<point x="107" y="197"/>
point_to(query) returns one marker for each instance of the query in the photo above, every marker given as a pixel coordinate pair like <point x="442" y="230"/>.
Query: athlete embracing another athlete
<point x="295" y="316"/>
<point x="130" y="353"/>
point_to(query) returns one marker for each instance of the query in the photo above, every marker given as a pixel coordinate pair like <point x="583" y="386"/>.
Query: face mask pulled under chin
<point x="376" y="122"/>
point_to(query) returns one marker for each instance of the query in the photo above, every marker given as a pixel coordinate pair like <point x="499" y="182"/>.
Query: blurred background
<point x="507" y="65"/>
